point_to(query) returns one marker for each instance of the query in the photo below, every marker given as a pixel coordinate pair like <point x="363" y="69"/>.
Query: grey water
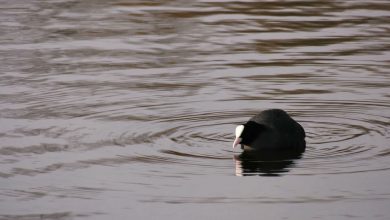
<point x="126" y="109"/>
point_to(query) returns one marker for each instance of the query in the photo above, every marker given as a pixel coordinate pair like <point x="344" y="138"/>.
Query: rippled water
<point x="126" y="109"/>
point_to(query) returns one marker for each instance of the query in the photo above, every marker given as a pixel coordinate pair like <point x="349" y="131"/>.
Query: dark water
<point x="126" y="109"/>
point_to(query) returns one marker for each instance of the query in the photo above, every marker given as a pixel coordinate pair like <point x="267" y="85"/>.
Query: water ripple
<point x="144" y="96"/>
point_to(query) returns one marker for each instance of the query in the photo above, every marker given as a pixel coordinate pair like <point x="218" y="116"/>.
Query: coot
<point x="271" y="130"/>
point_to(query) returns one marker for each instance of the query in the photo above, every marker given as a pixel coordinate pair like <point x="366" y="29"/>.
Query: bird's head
<point x="246" y="133"/>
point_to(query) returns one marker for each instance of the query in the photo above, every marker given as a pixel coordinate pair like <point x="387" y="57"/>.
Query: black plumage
<point x="272" y="130"/>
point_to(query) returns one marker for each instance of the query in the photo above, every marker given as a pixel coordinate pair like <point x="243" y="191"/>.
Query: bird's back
<point x="282" y="132"/>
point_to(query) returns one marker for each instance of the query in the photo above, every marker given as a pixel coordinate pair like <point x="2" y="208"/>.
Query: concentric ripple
<point x="108" y="106"/>
<point x="339" y="140"/>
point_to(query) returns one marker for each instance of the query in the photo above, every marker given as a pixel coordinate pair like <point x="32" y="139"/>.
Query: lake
<point x="126" y="109"/>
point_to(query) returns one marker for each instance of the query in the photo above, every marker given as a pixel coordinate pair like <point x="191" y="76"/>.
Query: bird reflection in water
<point x="250" y="163"/>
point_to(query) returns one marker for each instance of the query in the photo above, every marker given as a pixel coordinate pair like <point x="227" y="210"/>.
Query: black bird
<point x="271" y="130"/>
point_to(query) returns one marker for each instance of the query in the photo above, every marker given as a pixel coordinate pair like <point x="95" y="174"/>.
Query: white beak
<point x="237" y="141"/>
<point x="239" y="130"/>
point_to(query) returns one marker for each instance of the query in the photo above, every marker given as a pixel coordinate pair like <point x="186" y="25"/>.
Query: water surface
<point x="126" y="109"/>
